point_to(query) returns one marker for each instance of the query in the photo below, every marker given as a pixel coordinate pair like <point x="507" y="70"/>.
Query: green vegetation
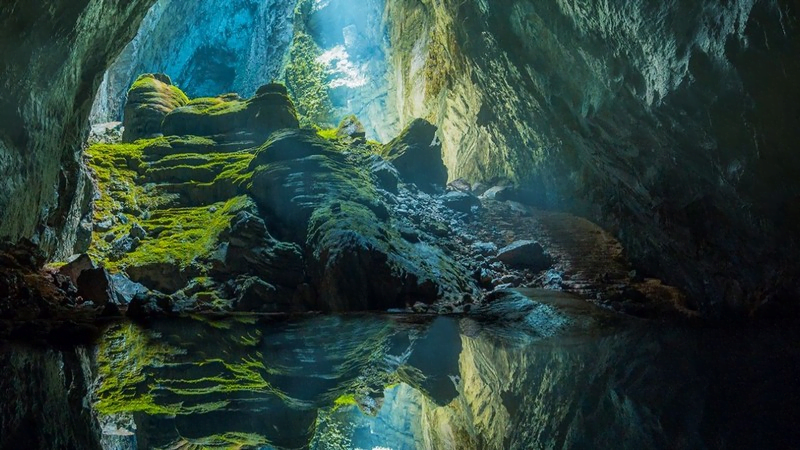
<point x="150" y="90"/>
<point x="123" y="358"/>
<point x="306" y="78"/>
<point x="183" y="236"/>
<point x="215" y="106"/>
<point x="177" y="235"/>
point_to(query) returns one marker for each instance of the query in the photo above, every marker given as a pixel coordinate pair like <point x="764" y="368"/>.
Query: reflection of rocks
<point x="46" y="400"/>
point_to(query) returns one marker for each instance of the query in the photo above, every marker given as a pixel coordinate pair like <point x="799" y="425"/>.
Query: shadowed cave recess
<point x="399" y="224"/>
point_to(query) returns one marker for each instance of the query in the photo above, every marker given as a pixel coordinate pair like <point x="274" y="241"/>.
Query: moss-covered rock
<point x="150" y="99"/>
<point x="271" y="109"/>
<point x="417" y="154"/>
<point x="351" y="127"/>
<point x="326" y="201"/>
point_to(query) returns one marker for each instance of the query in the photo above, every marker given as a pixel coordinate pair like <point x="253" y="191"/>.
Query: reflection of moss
<point x="123" y="357"/>
<point x="241" y="376"/>
<point x="232" y="440"/>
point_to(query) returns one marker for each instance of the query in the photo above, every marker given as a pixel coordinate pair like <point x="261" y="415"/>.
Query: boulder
<point x="95" y="285"/>
<point x="351" y="128"/>
<point x="150" y="99"/>
<point x="499" y="193"/>
<point x="126" y="289"/>
<point x="417" y="155"/>
<point x="271" y="109"/>
<point x="484" y="248"/>
<point x="459" y="185"/>
<point x="74" y="268"/>
<point x="144" y="306"/>
<point x="385" y="174"/>
<point x="137" y="232"/>
<point x="256" y="295"/>
<point x="525" y="254"/>
<point x="252" y="250"/>
<point x="163" y="276"/>
<point x="461" y="201"/>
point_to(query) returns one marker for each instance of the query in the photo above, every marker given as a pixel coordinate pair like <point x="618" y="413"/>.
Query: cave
<point x="399" y="224"/>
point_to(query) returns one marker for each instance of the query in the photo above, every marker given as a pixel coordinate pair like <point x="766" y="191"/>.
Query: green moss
<point x="329" y="134"/>
<point x="344" y="401"/>
<point x="157" y="92"/>
<point x="182" y="236"/>
<point x="307" y="78"/>
<point x="215" y="106"/>
<point x="116" y="168"/>
<point x="185" y="235"/>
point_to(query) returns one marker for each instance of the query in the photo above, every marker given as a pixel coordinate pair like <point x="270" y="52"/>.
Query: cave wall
<point x="54" y="54"/>
<point x="207" y="47"/>
<point x="47" y="394"/>
<point x="673" y="124"/>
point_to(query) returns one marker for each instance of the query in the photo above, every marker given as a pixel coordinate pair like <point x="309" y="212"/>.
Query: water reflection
<point x="390" y="382"/>
<point x="385" y="382"/>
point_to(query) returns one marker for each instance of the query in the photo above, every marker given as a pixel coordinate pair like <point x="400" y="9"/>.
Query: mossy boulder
<point x="326" y="201"/>
<point x="417" y="155"/>
<point x="352" y="128"/>
<point x="271" y="109"/>
<point x="150" y="99"/>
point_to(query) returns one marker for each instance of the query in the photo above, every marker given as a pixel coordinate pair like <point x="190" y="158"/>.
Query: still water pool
<point x="378" y="382"/>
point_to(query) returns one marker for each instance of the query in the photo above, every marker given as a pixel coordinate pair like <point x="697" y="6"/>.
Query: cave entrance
<point x="332" y="54"/>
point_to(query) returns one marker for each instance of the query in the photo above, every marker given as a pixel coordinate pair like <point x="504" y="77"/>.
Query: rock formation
<point x="54" y="55"/>
<point x="675" y="134"/>
<point x="234" y="207"/>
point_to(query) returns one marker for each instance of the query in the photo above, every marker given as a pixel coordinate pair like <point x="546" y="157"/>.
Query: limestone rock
<point x="74" y="268"/>
<point x="126" y="289"/>
<point x="95" y="285"/>
<point x="529" y="254"/>
<point x="386" y="175"/>
<point x="252" y="250"/>
<point x="255" y="295"/>
<point x="499" y="193"/>
<point x="460" y="201"/>
<point x="355" y="258"/>
<point x="165" y="276"/>
<point x="150" y="99"/>
<point x="351" y="127"/>
<point x="417" y="155"/>
<point x="271" y="109"/>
